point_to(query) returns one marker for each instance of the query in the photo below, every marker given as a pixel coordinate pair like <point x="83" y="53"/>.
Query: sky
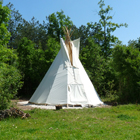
<point x="83" y="11"/>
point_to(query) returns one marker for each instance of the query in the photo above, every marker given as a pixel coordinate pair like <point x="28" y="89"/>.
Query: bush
<point x="9" y="84"/>
<point x="126" y="63"/>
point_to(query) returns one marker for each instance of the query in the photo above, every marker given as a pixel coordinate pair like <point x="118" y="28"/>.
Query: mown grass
<point x="115" y="123"/>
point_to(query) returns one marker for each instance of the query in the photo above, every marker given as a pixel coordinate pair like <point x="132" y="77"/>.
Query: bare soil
<point x="19" y="106"/>
<point x="28" y="107"/>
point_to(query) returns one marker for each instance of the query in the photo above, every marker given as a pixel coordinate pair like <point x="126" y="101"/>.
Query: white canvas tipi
<point x="65" y="82"/>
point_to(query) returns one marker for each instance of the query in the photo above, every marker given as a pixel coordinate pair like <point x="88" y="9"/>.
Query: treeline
<point x="27" y="49"/>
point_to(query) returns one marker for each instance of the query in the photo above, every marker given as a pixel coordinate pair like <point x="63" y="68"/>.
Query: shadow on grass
<point x="31" y="130"/>
<point x="126" y="117"/>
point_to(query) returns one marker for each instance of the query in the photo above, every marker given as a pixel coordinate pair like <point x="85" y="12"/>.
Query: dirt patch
<point x="24" y="105"/>
<point x="20" y="106"/>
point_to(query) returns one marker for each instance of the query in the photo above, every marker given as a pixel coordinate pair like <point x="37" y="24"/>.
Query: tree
<point x="56" y="22"/>
<point x="19" y="28"/>
<point x="101" y="33"/>
<point x="27" y="55"/>
<point x="94" y="64"/>
<point x="126" y="63"/>
<point x="14" y="21"/>
<point x="51" y="51"/>
<point x="34" y="31"/>
<point x="83" y="32"/>
<point x="10" y="77"/>
<point x="34" y="63"/>
<point x="4" y="34"/>
<point x="135" y="43"/>
<point x="103" y="29"/>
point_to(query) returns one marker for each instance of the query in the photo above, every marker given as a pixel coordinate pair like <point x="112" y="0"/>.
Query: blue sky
<point x="83" y="11"/>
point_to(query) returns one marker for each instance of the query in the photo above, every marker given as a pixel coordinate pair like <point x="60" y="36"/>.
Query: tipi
<point x="66" y="82"/>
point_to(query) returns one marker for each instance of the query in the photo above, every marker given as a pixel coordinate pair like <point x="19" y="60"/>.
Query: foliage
<point x="126" y="63"/>
<point x="26" y="53"/>
<point x="34" y="31"/>
<point x="51" y="51"/>
<point x="94" y="64"/>
<point x="31" y="60"/>
<point x="102" y="30"/>
<point x="101" y="33"/>
<point x="29" y="64"/>
<point x="56" y="22"/>
<point x="4" y="17"/>
<point x="98" y="69"/>
<point x="19" y="28"/>
<point x="117" y="123"/>
<point x="9" y="84"/>
<point x="135" y="43"/>
<point x="83" y="32"/>
<point x="14" y="20"/>
<point x="9" y="75"/>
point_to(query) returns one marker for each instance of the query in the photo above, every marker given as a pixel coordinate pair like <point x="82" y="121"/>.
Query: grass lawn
<point x="115" y="123"/>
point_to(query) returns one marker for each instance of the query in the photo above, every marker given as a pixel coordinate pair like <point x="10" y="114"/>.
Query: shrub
<point x="9" y="84"/>
<point x="9" y="75"/>
<point x="126" y="63"/>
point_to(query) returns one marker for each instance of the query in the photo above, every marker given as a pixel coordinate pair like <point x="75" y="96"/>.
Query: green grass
<point x="115" y="123"/>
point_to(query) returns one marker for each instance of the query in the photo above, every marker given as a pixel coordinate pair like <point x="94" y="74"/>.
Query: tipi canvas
<point x="66" y="82"/>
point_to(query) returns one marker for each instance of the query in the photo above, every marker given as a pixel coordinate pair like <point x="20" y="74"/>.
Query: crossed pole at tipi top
<point x="68" y="44"/>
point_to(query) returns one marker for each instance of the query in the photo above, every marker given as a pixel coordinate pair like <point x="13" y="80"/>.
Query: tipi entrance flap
<point x="73" y="76"/>
<point x="77" y="93"/>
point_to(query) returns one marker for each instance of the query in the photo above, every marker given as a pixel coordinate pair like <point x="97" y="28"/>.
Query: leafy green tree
<point x="101" y="33"/>
<point x="34" y="63"/>
<point x="52" y="51"/>
<point x="135" y="43"/>
<point x="126" y="63"/>
<point x="4" y="17"/>
<point x="34" y="31"/>
<point x="56" y="22"/>
<point x="94" y="64"/>
<point x="10" y="77"/>
<point x="19" y="28"/>
<point x="14" y="21"/>
<point x="26" y="54"/>
<point x="83" y="32"/>
<point x="102" y="30"/>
